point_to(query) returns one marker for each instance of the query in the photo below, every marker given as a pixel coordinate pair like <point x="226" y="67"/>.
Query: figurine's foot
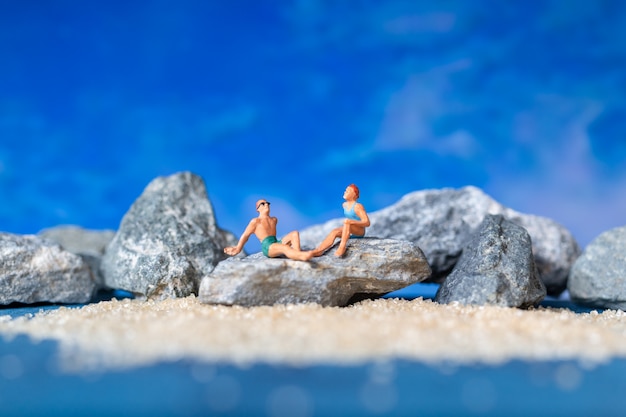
<point x="304" y="256"/>
<point x="340" y="252"/>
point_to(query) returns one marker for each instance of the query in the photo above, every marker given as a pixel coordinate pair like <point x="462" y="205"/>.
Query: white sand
<point x="130" y="333"/>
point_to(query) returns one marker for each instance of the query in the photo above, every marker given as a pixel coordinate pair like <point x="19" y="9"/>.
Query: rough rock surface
<point x="598" y="277"/>
<point x="370" y="267"/>
<point x="37" y="270"/>
<point x="441" y="222"/>
<point x="167" y="241"/>
<point x="497" y="268"/>
<point x="88" y="244"/>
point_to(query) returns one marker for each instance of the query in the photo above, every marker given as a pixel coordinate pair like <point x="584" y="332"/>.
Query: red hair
<point x="355" y="189"/>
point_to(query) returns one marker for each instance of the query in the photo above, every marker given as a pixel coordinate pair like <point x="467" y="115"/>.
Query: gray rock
<point x="88" y="244"/>
<point x="370" y="267"/>
<point x="167" y="241"/>
<point x="441" y="222"/>
<point x="497" y="267"/>
<point x="36" y="270"/>
<point x="598" y="277"/>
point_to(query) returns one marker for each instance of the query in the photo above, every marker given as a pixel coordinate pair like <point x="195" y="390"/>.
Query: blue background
<point x="293" y="100"/>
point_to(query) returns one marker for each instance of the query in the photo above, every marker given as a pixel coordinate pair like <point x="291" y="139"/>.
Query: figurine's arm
<point x="234" y="250"/>
<point x="360" y="211"/>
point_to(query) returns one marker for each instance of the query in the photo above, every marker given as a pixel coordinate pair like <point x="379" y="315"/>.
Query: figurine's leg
<point x="327" y="242"/>
<point x="345" y="235"/>
<point x="292" y="239"/>
<point x="347" y="231"/>
<point x="278" y="249"/>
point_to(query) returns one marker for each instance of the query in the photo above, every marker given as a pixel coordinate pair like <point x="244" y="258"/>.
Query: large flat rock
<point x="441" y="222"/>
<point x="371" y="267"/>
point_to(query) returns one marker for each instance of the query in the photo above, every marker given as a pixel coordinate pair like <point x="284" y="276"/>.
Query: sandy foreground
<point x="127" y="333"/>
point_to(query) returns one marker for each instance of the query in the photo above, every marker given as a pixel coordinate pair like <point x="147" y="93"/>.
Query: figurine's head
<point x="263" y="206"/>
<point x="351" y="193"/>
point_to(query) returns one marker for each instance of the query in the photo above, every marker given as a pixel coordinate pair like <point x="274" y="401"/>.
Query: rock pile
<point x="442" y="222"/>
<point x="371" y="267"/>
<point x="169" y="245"/>
<point x="497" y="267"/>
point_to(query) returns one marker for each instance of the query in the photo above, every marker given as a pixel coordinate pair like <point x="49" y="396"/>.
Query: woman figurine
<point x="353" y="226"/>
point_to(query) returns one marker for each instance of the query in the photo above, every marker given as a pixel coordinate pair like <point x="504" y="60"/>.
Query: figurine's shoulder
<point x="259" y="220"/>
<point x="349" y="205"/>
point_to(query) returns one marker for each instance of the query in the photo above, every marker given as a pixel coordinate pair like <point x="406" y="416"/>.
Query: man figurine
<point x="353" y="226"/>
<point x="264" y="228"/>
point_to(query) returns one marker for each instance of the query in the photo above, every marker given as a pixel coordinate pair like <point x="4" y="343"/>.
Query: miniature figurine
<point x="353" y="226"/>
<point x="264" y="228"/>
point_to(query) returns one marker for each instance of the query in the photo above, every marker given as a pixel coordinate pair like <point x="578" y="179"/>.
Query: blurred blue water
<point x="188" y="388"/>
<point x="293" y="100"/>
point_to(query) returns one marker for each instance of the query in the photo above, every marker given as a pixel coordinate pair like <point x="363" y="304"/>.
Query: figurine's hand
<point x="231" y="250"/>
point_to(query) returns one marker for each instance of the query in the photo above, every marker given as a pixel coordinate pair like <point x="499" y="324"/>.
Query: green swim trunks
<point x="267" y="242"/>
